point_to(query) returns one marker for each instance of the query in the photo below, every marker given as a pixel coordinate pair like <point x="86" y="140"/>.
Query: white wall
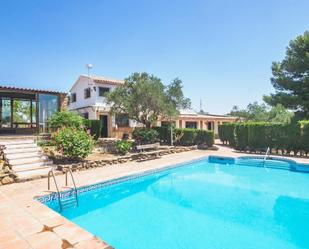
<point x="79" y="88"/>
<point x="95" y="100"/>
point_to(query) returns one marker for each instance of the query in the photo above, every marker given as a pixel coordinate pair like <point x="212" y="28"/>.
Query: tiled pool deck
<point x="26" y="223"/>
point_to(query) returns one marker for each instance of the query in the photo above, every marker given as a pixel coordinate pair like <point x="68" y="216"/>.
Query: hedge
<point x="186" y="136"/>
<point x="145" y="135"/>
<point x="95" y="127"/>
<point x="257" y="136"/>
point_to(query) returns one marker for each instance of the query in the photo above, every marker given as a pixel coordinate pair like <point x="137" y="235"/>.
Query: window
<point x="73" y="97"/>
<point x="86" y="115"/>
<point x="192" y="125"/>
<point x="103" y="90"/>
<point x="6" y="112"/>
<point x="48" y="105"/>
<point x="87" y="93"/>
<point x="210" y="126"/>
<point x="122" y="120"/>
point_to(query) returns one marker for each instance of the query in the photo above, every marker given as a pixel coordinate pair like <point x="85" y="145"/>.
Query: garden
<point x="76" y="141"/>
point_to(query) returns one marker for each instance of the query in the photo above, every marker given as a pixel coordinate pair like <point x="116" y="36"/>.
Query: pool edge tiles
<point x="298" y="167"/>
<point x="64" y="194"/>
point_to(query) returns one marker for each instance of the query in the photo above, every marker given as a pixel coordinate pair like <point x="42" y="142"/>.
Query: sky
<point x="222" y="50"/>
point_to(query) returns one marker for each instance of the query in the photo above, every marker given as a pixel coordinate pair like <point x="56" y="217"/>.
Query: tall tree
<point x="291" y="77"/>
<point x="144" y="98"/>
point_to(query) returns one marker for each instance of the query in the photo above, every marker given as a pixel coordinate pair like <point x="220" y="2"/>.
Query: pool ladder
<point x="64" y="202"/>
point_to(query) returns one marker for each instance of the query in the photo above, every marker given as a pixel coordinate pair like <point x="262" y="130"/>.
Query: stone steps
<point x="21" y="150"/>
<point x="21" y="155"/>
<point x="25" y="157"/>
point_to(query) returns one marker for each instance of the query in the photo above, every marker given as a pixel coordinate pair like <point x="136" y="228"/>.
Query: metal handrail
<point x="66" y="182"/>
<point x="51" y="172"/>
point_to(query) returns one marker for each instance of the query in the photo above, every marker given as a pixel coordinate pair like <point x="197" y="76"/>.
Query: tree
<point x="263" y="113"/>
<point x="144" y="98"/>
<point x="291" y="77"/>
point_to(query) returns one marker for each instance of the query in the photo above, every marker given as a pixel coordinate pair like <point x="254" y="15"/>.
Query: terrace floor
<point x="26" y="223"/>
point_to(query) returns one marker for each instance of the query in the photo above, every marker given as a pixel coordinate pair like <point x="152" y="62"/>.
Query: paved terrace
<point x="26" y="223"/>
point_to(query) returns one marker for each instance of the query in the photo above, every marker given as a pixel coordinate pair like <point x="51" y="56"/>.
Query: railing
<point x="66" y="182"/>
<point x="51" y="172"/>
<point x="267" y="155"/>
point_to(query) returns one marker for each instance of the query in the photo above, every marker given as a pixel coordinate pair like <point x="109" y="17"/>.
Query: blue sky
<point x="222" y="50"/>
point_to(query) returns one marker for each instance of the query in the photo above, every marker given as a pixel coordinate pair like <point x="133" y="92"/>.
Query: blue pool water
<point x="200" y="205"/>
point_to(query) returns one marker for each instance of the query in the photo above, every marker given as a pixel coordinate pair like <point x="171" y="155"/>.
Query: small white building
<point x="87" y="98"/>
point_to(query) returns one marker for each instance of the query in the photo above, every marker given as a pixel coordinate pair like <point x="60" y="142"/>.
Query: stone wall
<point x="7" y="175"/>
<point x="88" y="164"/>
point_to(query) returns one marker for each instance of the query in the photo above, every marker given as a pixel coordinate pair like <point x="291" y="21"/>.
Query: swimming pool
<point x="211" y="203"/>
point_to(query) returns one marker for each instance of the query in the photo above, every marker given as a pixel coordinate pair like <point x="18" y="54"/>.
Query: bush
<point x="73" y="143"/>
<point x="241" y="135"/>
<point x="95" y="127"/>
<point x="305" y="136"/>
<point x="164" y="134"/>
<point x="66" y="119"/>
<point x="123" y="146"/>
<point x="188" y="137"/>
<point x="145" y="135"/>
<point x="257" y="136"/>
<point x="227" y="133"/>
<point x="205" y="137"/>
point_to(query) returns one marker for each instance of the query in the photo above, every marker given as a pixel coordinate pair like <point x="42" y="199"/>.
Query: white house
<point x="87" y="98"/>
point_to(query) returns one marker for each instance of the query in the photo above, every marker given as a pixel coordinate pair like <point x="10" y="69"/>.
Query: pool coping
<point x="85" y="188"/>
<point x="35" y="225"/>
<point x="295" y="166"/>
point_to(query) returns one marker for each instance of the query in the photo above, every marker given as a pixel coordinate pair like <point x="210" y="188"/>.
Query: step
<point x="31" y="166"/>
<point x="21" y="161"/>
<point x="37" y="164"/>
<point x="20" y="146"/>
<point x="22" y="150"/>
<point x="69" y="202"/>
<point x="33" y="173"/>
<point x="22" y="155"/>
<point x="12" y="142"/>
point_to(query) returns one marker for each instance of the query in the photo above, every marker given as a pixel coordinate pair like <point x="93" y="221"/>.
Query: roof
<point x="193" y="114"/>
<point x="99" y="80"/>
<point x="29" y="90"/>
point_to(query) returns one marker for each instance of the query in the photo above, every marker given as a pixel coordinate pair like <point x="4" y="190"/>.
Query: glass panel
<point x="33" y="111"/>
<point x="6" y="113"/>
<point x="21" y="111"/>
<point x="48" y="105"/>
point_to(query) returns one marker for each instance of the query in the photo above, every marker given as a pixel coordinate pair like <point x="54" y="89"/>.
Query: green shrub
<point x="123" y="146"/>
<point x="164" y="133"/>
<point x="227" y="133"/>
<point x="257" y="136"/>
<point x="205" y="137"/>
<point x="65" y="119"/>
<point x="305" y="136"/>
<point x="188" y="136"/>
<point x="145" y="135"/>
<point x="73" y="143"/>
<point x="95" y="127"/>
<point x="241" y="136"/>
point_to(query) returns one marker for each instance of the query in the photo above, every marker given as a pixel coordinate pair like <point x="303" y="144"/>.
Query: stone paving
<point x="26" y="223"/>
